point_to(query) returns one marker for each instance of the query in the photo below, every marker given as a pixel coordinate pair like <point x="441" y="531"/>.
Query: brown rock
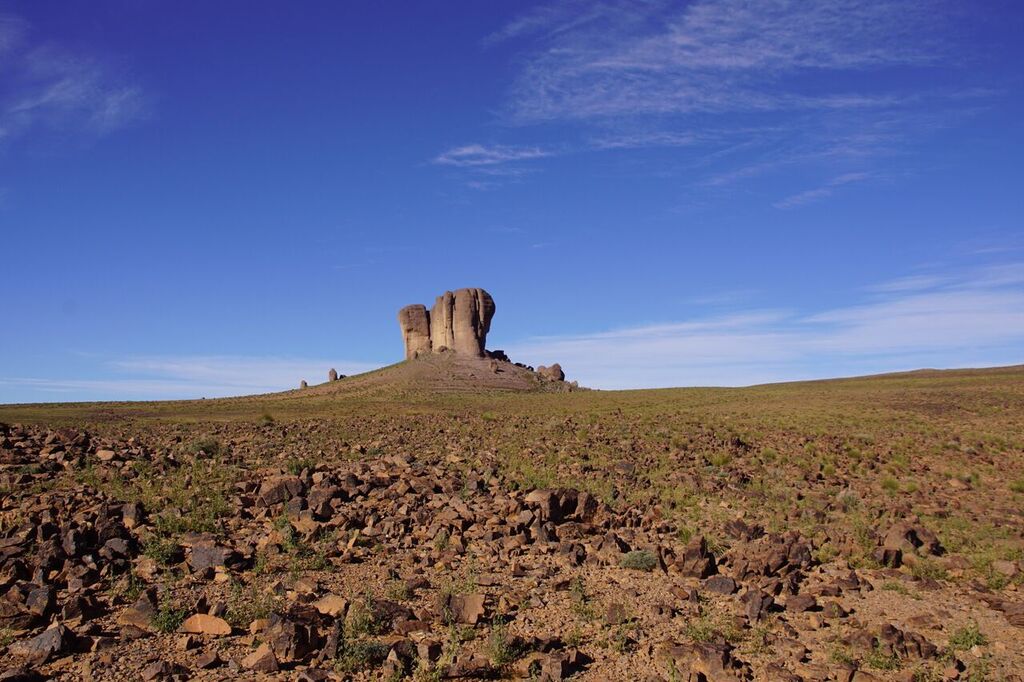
<point x="696" y="561"/>
<point x="908" y="537"/>
<point x="45" y="646"/>
<point x="466" y="608"/>
<point x="207" y="660"/>
<point x="41" y="601"/>
<point x="616" y="614"/>
<point x="204" y="557"/>
<point x="204" y="624"/>
<point x="294" y="635"/>
<point x="277" y="489"/>
<point x="162" y="670"/>
<point x="757" y="604"/>
<point x="709" y="661"/>
<point x="458" y="322"/>
<point x="332" y="375"/>
<point x="415" y="323"/>
<point x="561" y="666"/>
<point x="331" y="605"/>
<point x="472" y="666"/>
<point x="720" y="584"/>
<point x="262" y="660"/>
<point x="552" y="373"/>
<point x="20" y="674"/>
<point x="799" y="603"/>
<point x="140" y="614"/>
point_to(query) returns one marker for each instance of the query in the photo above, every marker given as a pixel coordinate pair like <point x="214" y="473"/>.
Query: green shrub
<point x="211" y="447"/>
<point x="248" y="603"/>
<point x="295" y="465"/>
<point x="639" y="560"/>
<point x="169" y="616"/>
<point x="501" y="648"/>
<point x="880" y="660"/>
<point x="924" y="569"/>
<point x="355" y="655"/>
<point x="162" y="550"/>
<point x="966" y="637"/>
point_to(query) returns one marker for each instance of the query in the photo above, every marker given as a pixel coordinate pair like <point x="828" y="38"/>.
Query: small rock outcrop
<point x="552" y="373"/>
<point x="332" y="375"/>
<point x="458" y="322"/>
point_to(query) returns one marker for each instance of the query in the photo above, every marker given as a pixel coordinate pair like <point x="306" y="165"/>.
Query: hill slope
<point x="790" y="531"/>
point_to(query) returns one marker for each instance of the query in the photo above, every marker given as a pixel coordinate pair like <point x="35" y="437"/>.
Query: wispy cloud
<point x="748" y="89"/>
<point x="475" y="155"/>
<point x="624" y="59"/>
<point x="188" y="377"/>
<point x="977" y="318"/>
<point x="12" y="32"/>
<point x="657" y="138"/>
<point x="818" y="193"/>
<point x="908" y="283"/>
<point x="49" y="87"/>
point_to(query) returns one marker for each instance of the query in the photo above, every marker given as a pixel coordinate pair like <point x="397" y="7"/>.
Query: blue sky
<point x="222" y="198"/>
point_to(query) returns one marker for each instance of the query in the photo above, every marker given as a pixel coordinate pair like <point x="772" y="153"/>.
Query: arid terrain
<point x="438" y="519"/>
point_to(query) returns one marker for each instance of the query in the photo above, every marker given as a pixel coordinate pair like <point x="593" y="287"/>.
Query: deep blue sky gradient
<point x="216" y="198"/>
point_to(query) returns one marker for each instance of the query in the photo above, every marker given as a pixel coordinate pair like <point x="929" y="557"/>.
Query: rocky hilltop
<point x="445" y="350"/>
<point x="458" y="325"/>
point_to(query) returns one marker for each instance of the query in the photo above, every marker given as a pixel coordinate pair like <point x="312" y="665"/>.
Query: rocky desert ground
<point x="442" y="519"/>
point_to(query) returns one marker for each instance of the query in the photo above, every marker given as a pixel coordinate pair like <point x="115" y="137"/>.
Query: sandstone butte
<point x="458" y="322"/>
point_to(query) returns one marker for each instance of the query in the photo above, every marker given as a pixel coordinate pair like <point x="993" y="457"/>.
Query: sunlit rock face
<point x="458" y="322"/>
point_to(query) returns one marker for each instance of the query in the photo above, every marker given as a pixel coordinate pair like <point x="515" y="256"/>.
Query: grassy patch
<point x="924" y="569"/>
<point x="355" y="655"/>
<point x="162" y="550"/>
<point x="966" y="637"/>
<point x="880" y="660"/>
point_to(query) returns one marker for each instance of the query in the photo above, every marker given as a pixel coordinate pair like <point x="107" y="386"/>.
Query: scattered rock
<point x="262" y="660"/>
<point x="466" y="608"/>
<point x="53" y="642"/>
<point x="203" y="624"/>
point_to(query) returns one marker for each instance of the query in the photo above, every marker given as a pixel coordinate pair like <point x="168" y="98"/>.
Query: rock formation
<point x="458" y="322"/>
<point x="415" y="323"/>
<point x="552" y="373"/>
<point x="332" y="375"/>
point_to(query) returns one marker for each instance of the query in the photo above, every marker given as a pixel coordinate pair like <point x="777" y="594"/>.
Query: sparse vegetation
<point x="501" y="647"/>
<point x="403" y="484"/>
<point x="247" y="603"/>
<point x="879" y="659"/>
<point x="169" y="616"/>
